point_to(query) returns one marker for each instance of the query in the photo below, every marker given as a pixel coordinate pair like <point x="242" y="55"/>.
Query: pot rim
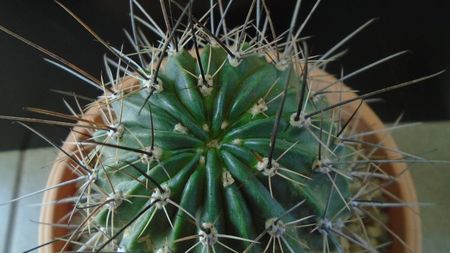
<point x="405" y="221"/>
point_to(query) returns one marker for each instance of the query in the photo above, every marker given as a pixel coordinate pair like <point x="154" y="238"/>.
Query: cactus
<point x="216" y="141"/>
<point x="204" y="158"/>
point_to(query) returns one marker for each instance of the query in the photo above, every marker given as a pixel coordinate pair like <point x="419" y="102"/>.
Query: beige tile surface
<point x="430" y="140"/>
<point x="8" y="171"/>
<point x="36" y="165"/>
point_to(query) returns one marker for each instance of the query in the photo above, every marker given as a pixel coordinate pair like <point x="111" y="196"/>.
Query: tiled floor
<point x="8" y="172"/>
<point x="431" y="141"/>
<point x="27" y="172"/>
<point x="21" y="174"/>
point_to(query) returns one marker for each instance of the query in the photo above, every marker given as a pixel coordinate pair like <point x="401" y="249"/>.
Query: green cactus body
<point x="212" y="188"/>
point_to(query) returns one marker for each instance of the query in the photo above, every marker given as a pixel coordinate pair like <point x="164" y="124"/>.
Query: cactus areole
<point x="220" y="159"/>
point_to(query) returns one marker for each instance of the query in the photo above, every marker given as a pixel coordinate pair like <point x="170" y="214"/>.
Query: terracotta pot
<point x="405" y="222"/>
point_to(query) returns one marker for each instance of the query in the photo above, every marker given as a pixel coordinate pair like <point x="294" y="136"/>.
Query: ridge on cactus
<point x="215" y="140"/>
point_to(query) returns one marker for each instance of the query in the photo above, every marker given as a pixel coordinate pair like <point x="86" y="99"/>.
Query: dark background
<point x="423" y="27"/>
